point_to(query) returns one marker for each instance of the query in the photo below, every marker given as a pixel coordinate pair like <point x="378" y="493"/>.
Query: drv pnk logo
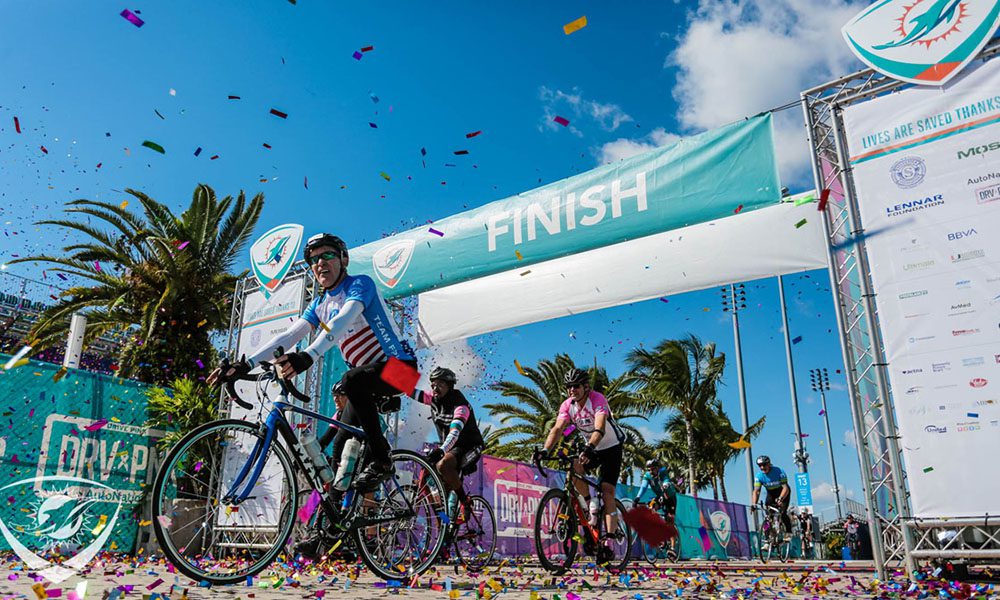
<point x="922" y="41"/>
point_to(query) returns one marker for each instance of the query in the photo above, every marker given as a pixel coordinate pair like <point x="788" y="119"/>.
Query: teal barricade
<point x="74" y="458"/>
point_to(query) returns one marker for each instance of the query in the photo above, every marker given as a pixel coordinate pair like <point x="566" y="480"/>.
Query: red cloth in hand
<point x="649" y="525"/>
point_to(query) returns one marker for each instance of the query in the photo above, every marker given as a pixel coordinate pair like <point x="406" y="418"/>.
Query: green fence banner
<point x="74" y="456"/>
<point x="697" y="179"/>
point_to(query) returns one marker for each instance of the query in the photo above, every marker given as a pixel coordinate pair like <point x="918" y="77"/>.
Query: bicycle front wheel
<point x="207" y="535"/>
<point x="399" y="528"/>
<point x="556" y="532"/>
<point x="476" y="534"/>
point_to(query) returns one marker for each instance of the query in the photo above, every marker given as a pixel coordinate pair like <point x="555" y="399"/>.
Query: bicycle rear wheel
<point x="556" y="532"/>
<point x="399" y="528"/>
<point x="207" y="536"/>
<point x="476" y="535"/>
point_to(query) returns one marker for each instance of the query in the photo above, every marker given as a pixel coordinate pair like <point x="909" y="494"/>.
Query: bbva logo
<point x="922" y="41"/>
<point x="957" y="235"/>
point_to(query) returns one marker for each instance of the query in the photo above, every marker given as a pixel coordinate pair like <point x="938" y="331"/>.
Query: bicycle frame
<point x="574" y="496"/>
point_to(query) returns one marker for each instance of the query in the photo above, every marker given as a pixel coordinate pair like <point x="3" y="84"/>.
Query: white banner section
<point x="263" y="318"/>
<point x="763" y="243"/>
<point x="926" y="167"/>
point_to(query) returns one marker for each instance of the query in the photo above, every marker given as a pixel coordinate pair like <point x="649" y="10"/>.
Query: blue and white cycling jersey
<point x="372" y="336"/>
<point x="772" y="481"/>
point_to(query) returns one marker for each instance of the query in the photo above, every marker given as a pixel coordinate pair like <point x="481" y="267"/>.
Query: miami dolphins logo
<point x="922" y="41"/>
<point x="390" y="261"/>
<point x="273" y="254"/>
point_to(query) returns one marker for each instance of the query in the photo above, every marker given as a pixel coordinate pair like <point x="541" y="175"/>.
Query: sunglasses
<point x="328" y="255"/>
<point x="574" y="386"/>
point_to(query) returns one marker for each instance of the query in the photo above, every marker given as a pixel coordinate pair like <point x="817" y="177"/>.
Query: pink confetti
<point x="96" y="425"/>
<point x="569" y="430"/>
<point x="197" y="466"/>
<point x="164" y="521"/>
<point x="132" y="18"/>
<point x="97" y="266"/>
<point x="309" y="507"/>
<point x="183" y="245"/>
<point x="822" y="412"/>
<point x="561" y="120"/>
<point x="153" y="585"/>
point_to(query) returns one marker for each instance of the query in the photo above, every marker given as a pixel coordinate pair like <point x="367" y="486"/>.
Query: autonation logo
<point x="914" y="205"/>
<point x="978" y="150"/>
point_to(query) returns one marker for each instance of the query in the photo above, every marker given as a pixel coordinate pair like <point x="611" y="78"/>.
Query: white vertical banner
<point x="926" y="165"/>
<point x="263" y="318"/>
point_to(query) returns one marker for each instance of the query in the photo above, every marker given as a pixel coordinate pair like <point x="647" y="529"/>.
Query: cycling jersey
<point x="454" y="420"/>
<point x="583" y="417"/>
<point x="772" y="481"/>
<point x="660" y="484"/>
<point x="372" y="336"/>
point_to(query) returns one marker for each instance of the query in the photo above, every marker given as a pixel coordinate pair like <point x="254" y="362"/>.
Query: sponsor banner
<point x="273" y="254"/>
<point x="694" y="180"/>
<point x="925" y="170"/>
<point x="264" y="316"/>
<point x="75" y="466"/>
<point x="922" y="41"/>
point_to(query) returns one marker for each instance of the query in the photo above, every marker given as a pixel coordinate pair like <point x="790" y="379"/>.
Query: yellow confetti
<point x="504" y="470"/>
<point x="496" y="587"/>
<point x="39" y="590"/>
<point x="59" y="374"/>
<point x="385" y="175"/>
<point x="145" y="523"/>
<point x="517" y="253"/>
<point x="202" y="322"/>
<point x="325" y="328"/>
<point x="740" y="444"/>
<point x="520" y="369"/>
<point x="453" y="594"/>
<point x="574" y="26"/>
<point x="100" y="524"/>
<point x="123" y="204"/>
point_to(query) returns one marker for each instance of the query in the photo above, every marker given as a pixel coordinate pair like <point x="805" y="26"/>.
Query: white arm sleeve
<point x="337" y="326"/>
<point x="299" y="329"/>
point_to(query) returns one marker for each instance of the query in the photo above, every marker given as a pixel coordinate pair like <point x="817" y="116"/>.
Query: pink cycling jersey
<point x="583" y="418"/>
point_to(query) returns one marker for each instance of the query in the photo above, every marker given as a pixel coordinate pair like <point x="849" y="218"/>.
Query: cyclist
<point x="805" y="525"/>
<point x="657" y="478"/>
<point x="461" y="441"/>
<point x="589" y="413"/>
<point x="775" y="482"/>
<point x="353" y="316"/>
<point x="852" y="535"/>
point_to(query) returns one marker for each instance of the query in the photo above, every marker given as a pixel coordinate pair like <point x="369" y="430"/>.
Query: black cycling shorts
<point x="467" y="458"/>
<point x="610" y="462"/>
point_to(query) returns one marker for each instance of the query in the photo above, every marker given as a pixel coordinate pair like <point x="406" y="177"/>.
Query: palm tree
<point x="164" y="279"/>
<point x="681" y="375"/>
<point x="527" y="422"/>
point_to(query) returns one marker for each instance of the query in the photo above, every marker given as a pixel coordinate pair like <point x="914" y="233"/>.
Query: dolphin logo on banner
<point x="722" y="525"/>
<point x="272" y="255"/>
<point x="922" y="41"/>
<point x="390" y="261"/>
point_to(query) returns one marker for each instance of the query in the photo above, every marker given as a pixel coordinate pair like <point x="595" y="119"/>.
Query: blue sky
<point x="87" y="85"/>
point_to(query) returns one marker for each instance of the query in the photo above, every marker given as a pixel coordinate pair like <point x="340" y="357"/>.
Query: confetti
<point x="649" y="525"/>
<point x="972" y="415"/>
<point x="59" y="374"/>
<point x="824" y="196"/>
<point x="200" y="364"/>
<point x="101" y="522"/>
<point x="154" y="146"/>
<point x="796" y="339"/>
<point x="473" y="134"/>
<point x="123" y="205"/>
<point x="461" y="152"/>
<point x="17" y="125"/>
<point x="202" y="322"/>
<point x="436" y="232"/>
<point x="822" y="412"/>
<point x="518" y="254"/>
<point x="278" y="113"/>
<point x="373" y="97"/>
<point x="801" y="223"/>
<point x="738" y="209"/>
<point x="372" y="125"/>
<point x="569" y="430"/>
<point x="526" y="273"/>
<point x="740" y="444"/>
<point x="805" y="200"/>
<point x="384" y="175"/>
<point x="14" y="360"/>
<point x="574" y="26"/>
<point x="368" y="48"/>
<point x="928" y="469"/>
<point x="306" y="510"/>
<point x="164" y="521"/>
<point x="519" y="368"/>
<point x="400" y="375"/>
<point x="305" y="182"/>
<point x="561" y="120"/>
<point x="183" y="245"/>
<point x="96" y="425"/>
<point x="357" y="55"/>
<point x="197" y="151"/>
<point x="132" y="18"/>
<point x="44" y="151"/>
<point x="231" y="97"/>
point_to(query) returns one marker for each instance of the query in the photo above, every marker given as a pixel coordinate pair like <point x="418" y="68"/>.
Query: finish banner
<point x="694" y="180"/>
<point x="926" y="168"/>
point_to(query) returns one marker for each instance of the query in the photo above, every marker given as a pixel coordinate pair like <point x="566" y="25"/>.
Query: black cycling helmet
<point x="652" y="464"/>
<point x="338" y="388"/>
<point x="763" y="459"/>
<point x="324" y="239"/>
<point x="444" y="374"/>
<point x="576" y="377"/>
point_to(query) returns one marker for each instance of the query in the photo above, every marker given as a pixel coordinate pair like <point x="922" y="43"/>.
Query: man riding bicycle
<point x="775" y="482"/>
<point x="657" y="478"/>
<point x="589" y="413"/>
<point x="461" y="441"/>
<point x="352" y="316"/>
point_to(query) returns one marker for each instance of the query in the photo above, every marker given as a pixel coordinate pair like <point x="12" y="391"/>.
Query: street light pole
<point x="733" y="301"/>
<point x="821" y="383"/>
<point x="800" y="456"/>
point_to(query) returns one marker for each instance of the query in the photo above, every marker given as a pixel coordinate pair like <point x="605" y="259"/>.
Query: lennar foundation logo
<point x="68" y="512"/>
<point x="922" y="41"/>
<point x="914" y="205"/>
<point x="390" y="261"/>
<point x="273" y="254"/>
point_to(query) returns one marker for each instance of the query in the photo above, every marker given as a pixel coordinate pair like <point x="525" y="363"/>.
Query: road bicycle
<point x="472" y="531"/>
<point x="772" y="539"/>
<point x="666" y="551"/>
<point x="808" y="543"/>
<point x="562" y="523"/>
<point x="227" y="493"/>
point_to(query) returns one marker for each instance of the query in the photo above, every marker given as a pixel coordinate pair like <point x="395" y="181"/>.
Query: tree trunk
<point x="722" y="482"/>
<point x="715" y="489"/>
<point x="690" y="452"/>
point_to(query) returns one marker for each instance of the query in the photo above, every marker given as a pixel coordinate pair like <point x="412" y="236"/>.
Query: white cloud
<point x="574" y="107"/>
<point x="738" y="58"/>
<point x="623" y="148"/>
<point x="849" y="439"/>
<point x="822" y="494"/>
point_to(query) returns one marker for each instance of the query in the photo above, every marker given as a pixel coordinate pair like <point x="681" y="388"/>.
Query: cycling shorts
<point x="609" y="461"/>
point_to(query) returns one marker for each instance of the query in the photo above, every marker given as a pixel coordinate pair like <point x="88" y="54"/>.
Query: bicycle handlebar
<point x="287" y="387"/>
<point x="286" y="384"/>
<point x="538" y="464"/>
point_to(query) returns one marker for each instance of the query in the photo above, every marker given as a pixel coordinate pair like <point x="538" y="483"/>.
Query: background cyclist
<point x="461" y="441"/>
<point x="775" y="482"/>
<point x="352" y="315"/>
<point x="588" y="411"/>
<point x="657" y="478"/>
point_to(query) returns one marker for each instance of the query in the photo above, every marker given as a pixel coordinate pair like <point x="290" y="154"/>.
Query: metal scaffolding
<point x="897" y="541"/>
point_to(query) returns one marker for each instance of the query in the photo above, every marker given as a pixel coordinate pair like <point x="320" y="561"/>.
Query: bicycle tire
<point x="399" y="493"/>
<point x="486" y="545"/>
<point x="560" y="524"/>
<point x="209" y="523"/>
